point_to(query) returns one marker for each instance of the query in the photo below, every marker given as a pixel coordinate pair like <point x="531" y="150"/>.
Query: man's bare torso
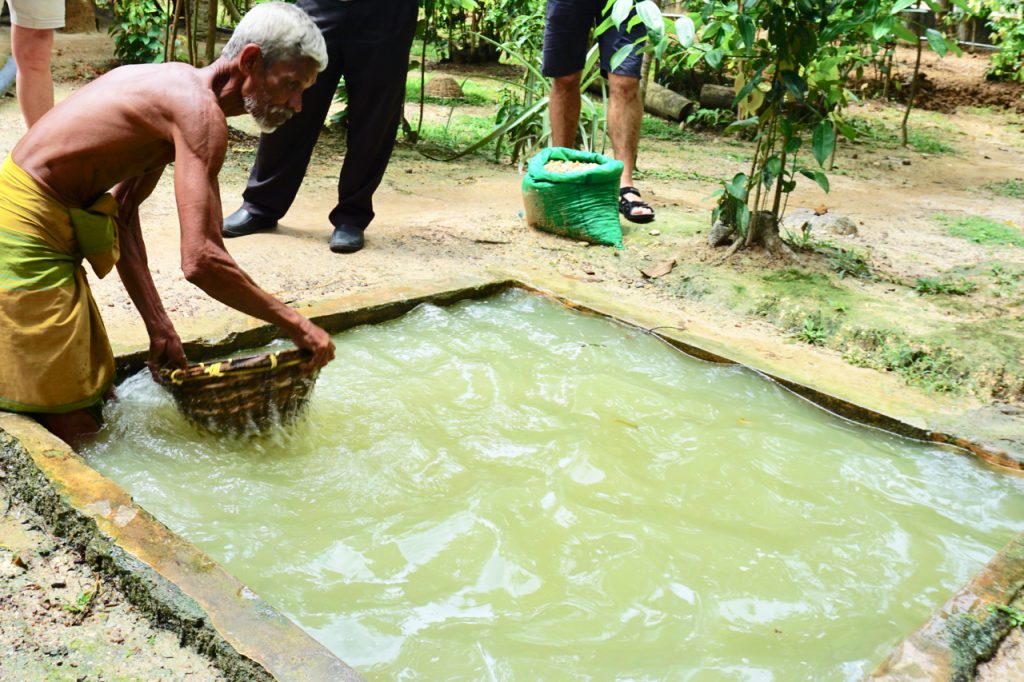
<point x="122" y="125"/>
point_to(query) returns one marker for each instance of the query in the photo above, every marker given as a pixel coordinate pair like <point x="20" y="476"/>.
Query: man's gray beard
<point x="259" y="114"/>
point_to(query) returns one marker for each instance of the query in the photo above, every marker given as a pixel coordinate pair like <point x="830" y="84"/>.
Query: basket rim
<point x="259" y="363"/>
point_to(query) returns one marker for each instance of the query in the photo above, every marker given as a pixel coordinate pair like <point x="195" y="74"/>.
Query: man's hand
<point x="308" y="336"/>
<point x="165" y="350"/>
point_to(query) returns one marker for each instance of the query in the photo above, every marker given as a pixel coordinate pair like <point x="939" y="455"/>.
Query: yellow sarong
<point x="54" y="353"/>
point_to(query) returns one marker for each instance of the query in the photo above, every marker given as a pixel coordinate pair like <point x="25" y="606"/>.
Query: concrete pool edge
<point x="963" y="632"/>
<point x="173" y="583"/>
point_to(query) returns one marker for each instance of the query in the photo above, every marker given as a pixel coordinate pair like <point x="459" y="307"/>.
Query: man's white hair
<point x="282" y="31"/>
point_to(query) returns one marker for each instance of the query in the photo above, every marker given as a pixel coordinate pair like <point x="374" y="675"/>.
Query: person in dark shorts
<point x="566" y="40"/>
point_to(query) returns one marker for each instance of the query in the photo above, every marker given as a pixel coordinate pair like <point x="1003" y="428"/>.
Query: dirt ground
<point x="465" y="217"/>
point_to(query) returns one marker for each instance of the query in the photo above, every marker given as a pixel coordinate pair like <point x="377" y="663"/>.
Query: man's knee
<point x="623" y="88"/>
<point x="566" y="83"/>
<point x="31" y="48"/>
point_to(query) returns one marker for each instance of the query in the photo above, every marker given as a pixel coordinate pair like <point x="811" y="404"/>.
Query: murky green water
<point x="507" y="490"/>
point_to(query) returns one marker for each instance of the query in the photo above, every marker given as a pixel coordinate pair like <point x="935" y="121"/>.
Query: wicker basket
<point x="242" y="395"/>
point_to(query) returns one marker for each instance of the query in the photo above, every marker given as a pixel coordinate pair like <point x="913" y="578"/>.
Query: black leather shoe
<point x="242" y="223"/>
<point x="346" y="239"/>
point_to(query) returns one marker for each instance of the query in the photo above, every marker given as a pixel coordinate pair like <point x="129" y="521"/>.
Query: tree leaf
<point x="883" y="28"/>
<point x="650" y="14"/>
<point x="773" y="165"/>
<point x="796" y="85"/>
<point x="736" y="125"/>
<point x="621" y="11"/>
<point x="746" y="27"/>
<point x="902" y="5"/>
<point x="620" y="56"/>
<point x="714" y="58"/>
<point x="936" y="41"/>
<point x="817" y="176"/>
<point x="793" y="145"/>
<point x="737" y="187"/>
<point x="660" y="269"/>
<point x="685" y="31"/>
<point x="823" y="141"/>
<point x="900" y="30"/>
<point x="742" y="217"/>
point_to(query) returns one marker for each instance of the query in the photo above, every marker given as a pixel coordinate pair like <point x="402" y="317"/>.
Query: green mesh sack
<point x="582" y="204"/>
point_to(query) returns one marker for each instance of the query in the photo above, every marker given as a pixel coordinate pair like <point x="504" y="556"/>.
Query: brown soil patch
<point x="951" y="82"/>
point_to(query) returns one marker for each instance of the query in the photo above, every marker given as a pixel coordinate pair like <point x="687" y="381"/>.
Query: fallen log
<point x="666" y="103"/>
<point x="716" y="96"/>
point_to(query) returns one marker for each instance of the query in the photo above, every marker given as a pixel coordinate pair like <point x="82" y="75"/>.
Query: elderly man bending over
<point x="117" y="134"/>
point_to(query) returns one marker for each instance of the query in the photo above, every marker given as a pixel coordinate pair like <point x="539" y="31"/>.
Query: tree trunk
<point x="665" y="103"/>
<point x="211" y="30"/>
<point x="716" y="96"/>
<point x="79" y="16"/>
<point x="913" y="89"/>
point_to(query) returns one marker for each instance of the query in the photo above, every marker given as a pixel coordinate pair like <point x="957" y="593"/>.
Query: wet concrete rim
<point x="178" y="585"/>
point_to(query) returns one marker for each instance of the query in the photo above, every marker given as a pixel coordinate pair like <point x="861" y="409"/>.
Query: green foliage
<point x="816" y="329"/>
<point x="138" y="30"/>
<point x="981" y="230"/>
<point x="933" y="367"/>
<point x="849" y="263"/>
<point x="710" y="118"/>
<point x="674" y="174"/>
<point x="843" y="261"/>
<point x="1013" y="614"/>
<point x="935" y="285"/>
<point x="81" y="603"/>
<point x="657" y="129"/>
<point x="1014" y="189"/>
<point x="883" y="135"/>
<point x="1008" y="33"/>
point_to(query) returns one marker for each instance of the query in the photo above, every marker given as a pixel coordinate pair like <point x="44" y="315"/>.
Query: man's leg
<point x="71" y="427"/>
<point x="566" y="36"/>
<point x="624" y="112"/>
<point x="283" y="156"/>
<point x="376" y="53"/>
<point x="564" y="109"/>
<point x="31" y="48"/>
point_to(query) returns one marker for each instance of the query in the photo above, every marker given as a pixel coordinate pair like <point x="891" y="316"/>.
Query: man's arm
<point x="133" y="268"/>
<point x="199" y="153"/>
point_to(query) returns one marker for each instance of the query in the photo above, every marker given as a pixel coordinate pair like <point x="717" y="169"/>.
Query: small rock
<point x="655" y="233"/>
<point x="906" y="162"/>
<point x="583" y="244"/>
<point x="719" y="234"/>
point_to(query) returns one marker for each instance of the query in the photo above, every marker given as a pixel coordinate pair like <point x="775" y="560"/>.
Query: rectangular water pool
<point x="505" y="489"/>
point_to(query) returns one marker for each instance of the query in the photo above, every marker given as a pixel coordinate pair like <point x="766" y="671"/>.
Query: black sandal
<point x="626" y="206"/>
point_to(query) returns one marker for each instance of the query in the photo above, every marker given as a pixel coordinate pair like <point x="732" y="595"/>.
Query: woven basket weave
<point x="242" y="395"/>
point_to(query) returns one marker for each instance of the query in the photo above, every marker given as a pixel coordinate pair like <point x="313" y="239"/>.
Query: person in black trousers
<point x="368" y="43"/>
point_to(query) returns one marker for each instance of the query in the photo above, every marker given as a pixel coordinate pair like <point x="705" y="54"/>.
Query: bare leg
<point x="70" y="427"/>
<point x="624" y="115"/>
<point x="564" y="109"/>
<point x="31" y="48"/>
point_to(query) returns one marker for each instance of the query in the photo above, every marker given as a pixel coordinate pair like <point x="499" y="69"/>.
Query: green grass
<point x="475" y="94"/>
<point x="949" y="287"/>
<point x="675" y="175"/>
<point x="981" y="230"/>
<point x="656" y="129"/>
<point x="459" y="132"/>
<point x="882" y="134"/>
<point x="1014" y="189"/>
